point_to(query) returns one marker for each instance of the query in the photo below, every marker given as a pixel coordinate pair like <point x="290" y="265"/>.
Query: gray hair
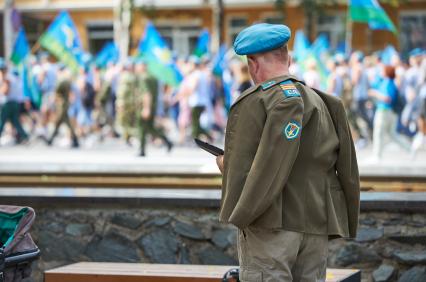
<point x="280" y="54"/>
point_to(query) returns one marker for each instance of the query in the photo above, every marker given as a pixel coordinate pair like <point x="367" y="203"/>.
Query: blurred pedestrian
<point x="419" y="114"/>
<point x="413" y="72"/>
<point x="374" y="69"/>
<point x="200" y="99"/>
<point x="88" y="96"/>
<point x="385" y="119"/>
<point x="125" y="103"/>
<point x="311" y="75"/>
<point x="243" y="78"/>
<point x="48" y="82"/>
<point x="62" y="103"/>
<point x="104" y="101"/>
<point x="9" y="87"/>
<point x="147" y="92"/>
<point x="335" y="80"/>
<point x="361" y="105"/>
<point x="181" y="98"/>
<point x="295" y="68"/>
<point x="339" y="85"/>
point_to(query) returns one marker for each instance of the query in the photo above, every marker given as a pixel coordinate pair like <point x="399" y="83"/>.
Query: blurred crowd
<point x="385" y="102"/>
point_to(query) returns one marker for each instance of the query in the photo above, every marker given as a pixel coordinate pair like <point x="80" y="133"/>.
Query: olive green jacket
<point x="290" y="162"/>
<point x="147" y="85"/>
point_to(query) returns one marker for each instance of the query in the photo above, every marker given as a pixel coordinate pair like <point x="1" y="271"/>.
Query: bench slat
<point x="139" y="272"/>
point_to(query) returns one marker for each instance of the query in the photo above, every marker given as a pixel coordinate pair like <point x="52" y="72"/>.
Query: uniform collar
<point x="264" y="86"/>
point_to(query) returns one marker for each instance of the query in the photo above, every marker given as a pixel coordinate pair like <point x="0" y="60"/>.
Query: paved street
<point x="115" y="156"/>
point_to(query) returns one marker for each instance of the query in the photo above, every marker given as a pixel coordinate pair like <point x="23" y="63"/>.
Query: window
<point x="333" y="26"/>
<point x="235" y="25"/>
<point x="182" y="38"/>
<point x="274" y="20"/>
<point x="99" y="33"/>
<point x="34" y="27"/>
<point x="412" y="31"/>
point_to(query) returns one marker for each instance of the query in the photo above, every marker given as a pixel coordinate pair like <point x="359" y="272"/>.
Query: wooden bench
<point x="139" y="272"/>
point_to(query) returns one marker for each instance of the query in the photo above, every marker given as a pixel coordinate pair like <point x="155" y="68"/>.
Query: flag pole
<point x="349" y="26"/>
<point x="9" y="36"/>
<point x="35" y="47"/>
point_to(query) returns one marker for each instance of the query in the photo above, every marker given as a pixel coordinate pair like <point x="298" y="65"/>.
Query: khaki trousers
<point x="385" y="130"/>
<point x="281" y="256"/>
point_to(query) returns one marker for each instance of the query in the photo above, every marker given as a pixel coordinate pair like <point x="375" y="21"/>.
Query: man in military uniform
<point x="125" y="103"/>
<point x="290" y="176"/>
<point x="103" y="112"/>
<point x="146" y="103"/>
<point x="62" y="104"/>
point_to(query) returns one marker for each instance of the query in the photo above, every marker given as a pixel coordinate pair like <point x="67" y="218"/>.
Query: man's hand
<point x="146" y="106"/>
<point x="219" y="162"/>
<point x="145" y="113"/>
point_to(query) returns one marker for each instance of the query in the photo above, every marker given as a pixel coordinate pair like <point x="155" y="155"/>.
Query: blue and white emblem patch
<point x="292" y="130"/>
<point x="268" y="84"/>
<point x="289" y="89"/>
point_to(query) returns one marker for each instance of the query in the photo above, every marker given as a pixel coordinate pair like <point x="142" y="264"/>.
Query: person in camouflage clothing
<point x="146" y="103"/>
<point x="125" y="103"/>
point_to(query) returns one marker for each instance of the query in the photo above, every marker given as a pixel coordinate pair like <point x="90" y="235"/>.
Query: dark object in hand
<point x="233" y="275"/>
<point x="209" y="148"/>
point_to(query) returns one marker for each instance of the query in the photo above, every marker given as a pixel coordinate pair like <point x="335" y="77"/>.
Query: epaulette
<point x="267" y="85"/>
<point x="289" y="89"/>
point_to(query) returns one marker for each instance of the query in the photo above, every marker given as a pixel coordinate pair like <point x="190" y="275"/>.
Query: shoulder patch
<point x="289" y="90"/>
<point x="292" y="130"/>
<point x="269" y="84"/>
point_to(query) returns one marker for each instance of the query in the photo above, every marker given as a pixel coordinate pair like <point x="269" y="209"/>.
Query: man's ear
<point x="290" y="60"/>
<point x="255" y="64"/>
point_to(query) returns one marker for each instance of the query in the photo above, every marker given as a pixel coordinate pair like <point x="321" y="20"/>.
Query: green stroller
<point x="17" y="248"/>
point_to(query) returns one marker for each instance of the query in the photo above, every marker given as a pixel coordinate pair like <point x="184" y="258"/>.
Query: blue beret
<point x="261" y="38"/>
<point x="359" y="55"/>
<point x="2" y="64"/>
<point x="194" y="59"/>
<point x="61" y="66"/>
<point x="140" y="60"/>
<point x="416" y="52"/>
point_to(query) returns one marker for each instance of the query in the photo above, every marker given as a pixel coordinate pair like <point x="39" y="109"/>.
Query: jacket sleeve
<point x="273" y="161"/>
<point x="347" y="171"/>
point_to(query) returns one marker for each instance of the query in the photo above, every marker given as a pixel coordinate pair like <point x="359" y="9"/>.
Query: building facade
<point x="180" y="22"/>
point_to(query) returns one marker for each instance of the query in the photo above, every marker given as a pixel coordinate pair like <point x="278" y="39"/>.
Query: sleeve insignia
<point x="292" y="130"/>
<point x="269" y="84"/>
<point x="289" y="90"/>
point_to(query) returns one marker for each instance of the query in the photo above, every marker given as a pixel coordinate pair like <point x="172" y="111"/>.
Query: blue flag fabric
<point x="219" y="61"/>
<point x="21" y="49"/>
<point x="341" y="47"/>
<point x="31" y="87"/>
<point x="153" y="43"/>
<point x="370" y="11"/>
<point x="154" y="50"/>
<point x="203" y="43"/>
<point x="319" y="53"/>
<point x="320" y="45"/>
<point x="62" y="40"/>
<point x="301" y="46"/>
<point x="109" y="53"/>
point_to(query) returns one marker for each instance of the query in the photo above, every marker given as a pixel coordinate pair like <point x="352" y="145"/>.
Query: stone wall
<point x="389" y="247"/>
